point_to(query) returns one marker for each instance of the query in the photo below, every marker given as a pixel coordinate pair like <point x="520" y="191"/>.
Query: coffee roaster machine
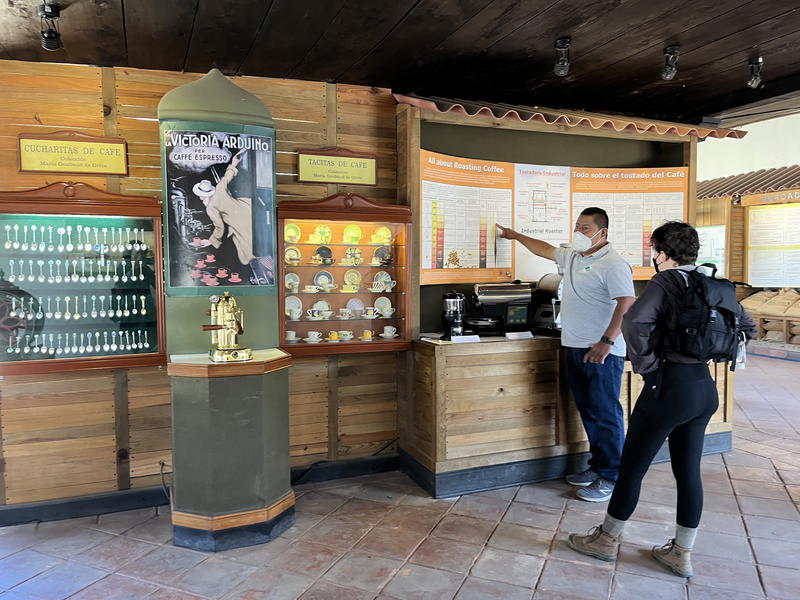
<point x="498" y="308"/>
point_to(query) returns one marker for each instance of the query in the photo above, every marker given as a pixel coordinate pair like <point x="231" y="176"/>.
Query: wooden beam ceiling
<point x="490" y="50"/>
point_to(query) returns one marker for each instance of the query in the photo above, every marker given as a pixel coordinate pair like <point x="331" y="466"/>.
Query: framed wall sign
<point x="337" y="165"/>
<point x="219" y="207"/>
<point x="72" y="152"/>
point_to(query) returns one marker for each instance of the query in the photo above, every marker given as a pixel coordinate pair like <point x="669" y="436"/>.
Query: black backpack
<point x="706" y="324"/>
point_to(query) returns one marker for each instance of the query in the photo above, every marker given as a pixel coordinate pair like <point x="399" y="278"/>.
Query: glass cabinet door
<point x="344" y="282"/>
<point x="75" y="286"/>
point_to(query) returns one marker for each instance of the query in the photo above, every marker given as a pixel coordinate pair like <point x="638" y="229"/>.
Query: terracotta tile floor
<point x="379" y="537"/>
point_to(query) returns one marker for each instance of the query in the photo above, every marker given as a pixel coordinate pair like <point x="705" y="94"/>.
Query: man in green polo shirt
<point x="597" y="292"/>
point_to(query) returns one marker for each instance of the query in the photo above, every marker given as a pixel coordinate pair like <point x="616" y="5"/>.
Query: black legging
<point x="680" y="410"/>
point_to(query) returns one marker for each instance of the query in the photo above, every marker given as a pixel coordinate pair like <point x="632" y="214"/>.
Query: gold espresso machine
<point x="227" y="321"/>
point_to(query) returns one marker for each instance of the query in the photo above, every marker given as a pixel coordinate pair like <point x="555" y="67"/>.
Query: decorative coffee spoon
<point x="97" y="247"/>
<point x="24" y="246"/>
<point x="52" y="348"/>
<point x="84" y="314"/>
<point x="31" y="276"/>
<point x="78" y="233"/>
<point x="141" y="272"/>
<point x="67" y="314"/>
<point x="126" y="312"/>
<point x="88" y="246"/>
<point x="105" y="240"/>
<point x="34" y="245"/>
<point x="60" y="231"/>
<point x="128" y="346"/>
<point x="10" y="348"/>
<point x="69" y="246"/>
<point x="128" y="244"/>
<point x="90" y="278"/>
<point x="74" y="276"/>
<point x="59" y="349"/>
<point x="106" y="346"/>
<point x="50" y="246"/>
<point x="107" y="276"/>
<point x="144" y="309"/>
<point x="49" y="313"/>
<point x="103" y="307"/>
<point x="94" y="307"/>
<point x="30" y="315"/>
<point x="142" y="245"/>
<point x="50" y="278"/>
<point x="17" y="349"/>
<point x="39" y="313"/>
<point x="113" y="341"/>
<point x="139" y="344"/>
<point x="13" y="311"/>
<point x="96" y="341"/>
<point x="58" y="277"/>
<point x="83" y="270"/>
<point x="82" y="347"/>
<point x="116" y="274"/>
<point x="136" y="244"/>
<point x="35" y="347"/>
<point x="119" y="304"/>
<point x="134" y="310"/>
<point x="57" y="314"/>
<point x="16" y="237"/>
<point x="124" y="276"/>
<point x="8" y="243"/>
<point x="41" y="246"/>
<point x="26" y="348"/>
<point x="76" y="315"/>
<point x="146" y="343"/>
<point x="41" y="278"/>
<point x="11" y="276"/>
<point x="74" y="343"/>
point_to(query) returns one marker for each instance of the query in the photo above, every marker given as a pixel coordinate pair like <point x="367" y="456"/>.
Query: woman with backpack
<point x="679" y="396"/>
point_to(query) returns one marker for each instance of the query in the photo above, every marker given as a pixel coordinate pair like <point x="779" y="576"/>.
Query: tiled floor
<point x="379" y="537"/>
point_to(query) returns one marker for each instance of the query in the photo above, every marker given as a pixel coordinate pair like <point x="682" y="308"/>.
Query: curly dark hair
<point x="678" y="240"/>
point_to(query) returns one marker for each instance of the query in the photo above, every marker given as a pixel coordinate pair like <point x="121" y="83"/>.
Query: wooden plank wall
<point x="720" y="211"/>
<point x="338" y="408"/>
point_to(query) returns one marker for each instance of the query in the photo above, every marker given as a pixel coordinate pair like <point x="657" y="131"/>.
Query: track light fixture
<point x="670" y="62"/>
<point x="561" y="68"/>
<point x="49" y="14"/>
<point x="756" y="64"/>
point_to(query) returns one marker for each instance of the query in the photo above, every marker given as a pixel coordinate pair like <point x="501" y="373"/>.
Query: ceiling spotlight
<point x="670" y="62"/>
<point x="756" y="64"/>
<point x="561" y="68"/>
<point x="49" y="14"/>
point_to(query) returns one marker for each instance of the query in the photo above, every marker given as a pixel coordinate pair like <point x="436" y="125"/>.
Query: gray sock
<point x="613" y="526"/>
<point x="684" y="536"/>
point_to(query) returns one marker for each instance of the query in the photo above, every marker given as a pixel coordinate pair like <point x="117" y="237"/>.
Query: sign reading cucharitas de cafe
<point x="72" y="152"/>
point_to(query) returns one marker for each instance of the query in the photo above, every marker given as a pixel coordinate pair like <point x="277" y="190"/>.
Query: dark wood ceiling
<point x="487" y="50"/>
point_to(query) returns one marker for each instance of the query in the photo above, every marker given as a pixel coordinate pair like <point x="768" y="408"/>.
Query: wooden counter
<point x="498" y="413"/>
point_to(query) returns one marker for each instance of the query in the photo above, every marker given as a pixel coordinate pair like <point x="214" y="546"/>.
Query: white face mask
<point x="581" y="242"/>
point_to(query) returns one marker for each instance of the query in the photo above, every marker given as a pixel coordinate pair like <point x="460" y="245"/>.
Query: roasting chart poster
<point x="219" y="207"/>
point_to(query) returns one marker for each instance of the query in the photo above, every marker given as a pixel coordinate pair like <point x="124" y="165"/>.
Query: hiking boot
<point x="596" y="543"/>
<point x="676" y="559"/>
<point x="582" y="479"/>
<point x="599" y="491"/>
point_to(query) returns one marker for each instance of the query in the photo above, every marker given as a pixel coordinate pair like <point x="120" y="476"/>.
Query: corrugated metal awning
<point x="754" y="182"/>
<point x="569" y="118"/>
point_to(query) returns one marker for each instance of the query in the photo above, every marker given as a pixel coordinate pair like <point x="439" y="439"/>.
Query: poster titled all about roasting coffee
<point x="219" y="208"/>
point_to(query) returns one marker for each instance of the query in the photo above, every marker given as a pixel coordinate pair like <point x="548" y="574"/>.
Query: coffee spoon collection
<point x="87" y="238"/>
<point x="85" y="342"/>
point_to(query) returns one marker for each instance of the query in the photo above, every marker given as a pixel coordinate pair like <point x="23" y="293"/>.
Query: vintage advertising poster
<point x="462" y="199"/>
<point x="541" y="211"/>
<point x="219" y="208"/>
<point x="712" y="247"/>
<point x="773" y="245"/>
<point x="636" y="200"/>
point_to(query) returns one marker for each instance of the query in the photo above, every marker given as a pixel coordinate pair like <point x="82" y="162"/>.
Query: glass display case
<point x="80" y="282"/>
<point x="345" y="275"/>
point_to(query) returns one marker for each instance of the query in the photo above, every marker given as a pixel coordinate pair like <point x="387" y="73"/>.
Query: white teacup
<point x="294" y="288"/>
<point x="311" y="289"/>
<point x="389" y="331"/>
<point x="295" y="313"/>
<point x="345" y="334"/>
<point x="315" y="335"/>
<point x="345" y="312"/>
<point x="327" y="314"/>
<point x="358" y="312"/>
<point x="291" y="335"/>
<point x="387" y="312"/>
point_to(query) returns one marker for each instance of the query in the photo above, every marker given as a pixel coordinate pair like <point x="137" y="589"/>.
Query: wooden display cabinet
<point x="81" y="283"/>
<point x="345" y="268"/>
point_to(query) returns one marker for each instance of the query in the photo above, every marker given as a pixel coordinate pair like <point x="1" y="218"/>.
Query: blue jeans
<point x="596" y="388"/>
